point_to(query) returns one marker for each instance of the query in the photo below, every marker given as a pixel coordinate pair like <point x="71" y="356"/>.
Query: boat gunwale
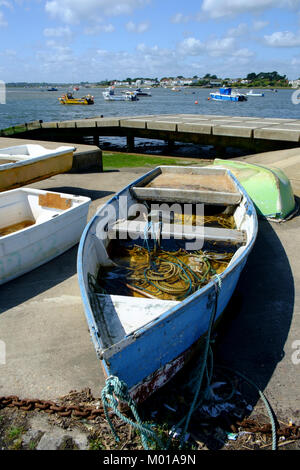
<point x="104" y="353"/>
<point x="30" y="160"/>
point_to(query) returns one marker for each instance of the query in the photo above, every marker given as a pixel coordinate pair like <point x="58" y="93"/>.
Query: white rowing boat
<point x="24" y="164"/>
<point x="142" y="335"/>
<point x="36" y="226"/>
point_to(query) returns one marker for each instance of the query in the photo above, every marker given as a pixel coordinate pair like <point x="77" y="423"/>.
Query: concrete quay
<point x="48" y="347"/>
<point x="254" y="134"/>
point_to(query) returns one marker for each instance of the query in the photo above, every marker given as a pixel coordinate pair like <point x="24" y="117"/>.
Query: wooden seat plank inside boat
<point x="186" y="196"/>
<point x="139" y="228"/>
<point x="196" y="185"/>
<point x="198" y="182"/>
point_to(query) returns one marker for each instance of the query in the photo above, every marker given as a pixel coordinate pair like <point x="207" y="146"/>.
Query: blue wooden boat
<point x="226" y="94"/>
<point x="139" y="335"/>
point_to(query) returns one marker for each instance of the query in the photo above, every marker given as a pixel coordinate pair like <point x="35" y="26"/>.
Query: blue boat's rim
<point x="210" y="285"/>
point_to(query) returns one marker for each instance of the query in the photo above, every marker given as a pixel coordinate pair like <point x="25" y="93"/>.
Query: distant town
<point x="252" y="80"/>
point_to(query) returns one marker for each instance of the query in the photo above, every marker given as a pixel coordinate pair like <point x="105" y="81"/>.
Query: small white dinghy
<point x="36" y="226"/>
<point x="24" y="164"/>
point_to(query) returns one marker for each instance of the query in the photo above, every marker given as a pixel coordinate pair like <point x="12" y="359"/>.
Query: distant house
<point x="294" y="83"/>
<point x="215" y="82"/>
<point x="233" y="81"/>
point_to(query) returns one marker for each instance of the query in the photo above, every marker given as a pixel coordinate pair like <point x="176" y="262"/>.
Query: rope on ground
<point x="116" y="390"/>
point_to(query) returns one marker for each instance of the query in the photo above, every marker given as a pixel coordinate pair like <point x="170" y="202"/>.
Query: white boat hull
<point x="54" y="229"/>
<point x="24" y="164"/>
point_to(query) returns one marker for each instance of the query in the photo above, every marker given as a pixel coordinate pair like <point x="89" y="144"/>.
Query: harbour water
<point x="26" y="104"/>
<point x="30" y="104"/>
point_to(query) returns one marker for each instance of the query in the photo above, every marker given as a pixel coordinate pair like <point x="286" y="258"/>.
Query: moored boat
<point x="24" y="164"/>
<point x="68" y="98"/>
<point x="140" y="92"/>
<point x="267" y="186"/>
<point x="36" y="226"/>
<point x="152" y="277"/>
<point x="226" y="94"/>
<point x="251" y="93"/>
<point x="109" y="95"/>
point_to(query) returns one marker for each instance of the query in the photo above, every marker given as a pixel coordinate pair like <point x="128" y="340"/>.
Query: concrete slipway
<point x="48" y="348"/>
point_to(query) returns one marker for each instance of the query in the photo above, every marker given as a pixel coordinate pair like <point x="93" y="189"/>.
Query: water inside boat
<point x="16" y="227"/>
<point x="167" y="270"/>
<point x="4" y="161"/>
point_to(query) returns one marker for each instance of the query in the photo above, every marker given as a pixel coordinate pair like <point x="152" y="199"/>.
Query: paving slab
<point x="201" y="126"/>
<point x="278" y="132"/>
<point x="162" y="125"/>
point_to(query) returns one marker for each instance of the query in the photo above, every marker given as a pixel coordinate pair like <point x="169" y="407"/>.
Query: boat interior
<point x="20" y="209"/>
<point x="21" y="153"/>
<point x="183" y="227"/>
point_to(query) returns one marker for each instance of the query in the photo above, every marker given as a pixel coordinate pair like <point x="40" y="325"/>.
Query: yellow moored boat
<point x="68" y="98"/>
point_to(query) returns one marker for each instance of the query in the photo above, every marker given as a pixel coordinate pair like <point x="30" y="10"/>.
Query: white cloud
<point x="218" y="47"/>
<point x="8" y="53"/>
<point x="137" y="28"/>
<point x="191" y="46"/>
<point x="74" y="11"/>
<point x="243" y="53"/>
<point x="179" y="18"/>
<point x="3" y="22"/>
<point x="99" y="28"/>
<point x="4" y="3"/>
<point x="219" y="9"/>
<point x="213" y="47"/>
<point x="258" y="25"/>
<point x="240" y="30"/>
<point x="282" y="39"/>
<point x="58" y="32"/>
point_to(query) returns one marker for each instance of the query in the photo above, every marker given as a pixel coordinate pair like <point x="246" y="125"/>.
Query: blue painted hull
<point x="152" y="354"/>
<point x="220" y="97"/>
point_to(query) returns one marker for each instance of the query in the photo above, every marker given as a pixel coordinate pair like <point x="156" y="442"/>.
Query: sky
<point x="94" y="40"/>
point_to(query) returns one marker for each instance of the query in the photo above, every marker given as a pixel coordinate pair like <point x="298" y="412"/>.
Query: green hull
<point x="268" y="187"/>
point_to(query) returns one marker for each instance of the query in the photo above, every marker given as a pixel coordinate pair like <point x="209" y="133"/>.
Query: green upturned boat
<point x="268" y="187"/>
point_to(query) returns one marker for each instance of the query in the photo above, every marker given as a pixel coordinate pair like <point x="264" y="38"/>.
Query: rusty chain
<point x="287" y="431"/>
<point x="78" y="411"/>
<point x="92" y="412"/>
